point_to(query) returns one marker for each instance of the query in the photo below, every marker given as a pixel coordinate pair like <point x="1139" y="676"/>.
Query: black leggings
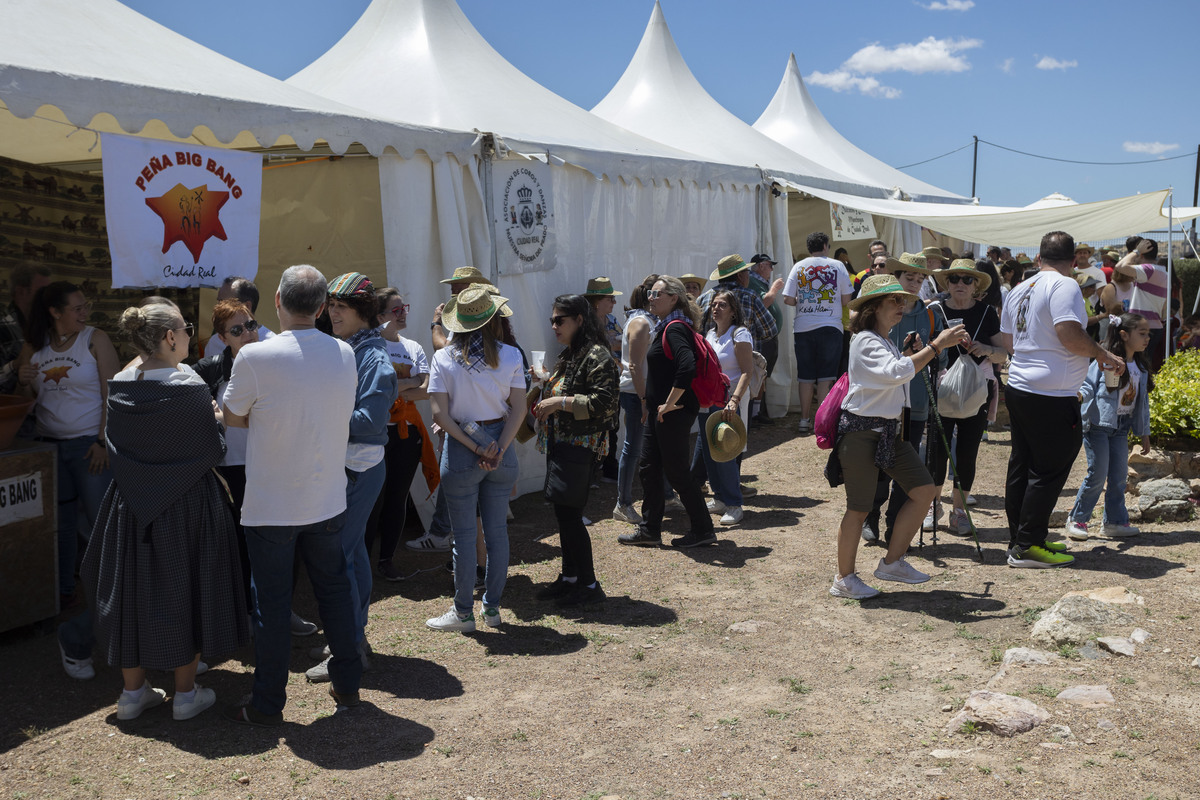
<point x="576" y="545"/>
<point x="387" y="519"/>
<point x="966" y="449"/>
<point x="665" y="453"/>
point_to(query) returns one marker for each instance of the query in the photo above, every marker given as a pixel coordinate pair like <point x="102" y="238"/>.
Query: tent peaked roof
<point x="659" y="97"/>
<point x="101" y="56"/>
<point x="422" y="61"/>
<point x="793" y="120"/>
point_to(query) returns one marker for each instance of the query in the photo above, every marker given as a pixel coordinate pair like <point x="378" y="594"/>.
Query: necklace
<point x="65" y="339"/>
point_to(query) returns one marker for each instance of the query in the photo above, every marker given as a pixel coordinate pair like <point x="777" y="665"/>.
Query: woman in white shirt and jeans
<point x="475" y="382"/>
<point x="869" y="436"/>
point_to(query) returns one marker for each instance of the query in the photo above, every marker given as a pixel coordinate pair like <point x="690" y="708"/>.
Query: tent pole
<point x="1196" y="193"/>
<point x="974" y="165"/>
<point x="488" y="152"/>
<point x="1192" y="244"/>
<point x="1170" y="264"/>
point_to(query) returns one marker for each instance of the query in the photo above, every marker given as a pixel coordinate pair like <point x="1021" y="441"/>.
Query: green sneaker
<point x="1037" y="558"/>
<point x="1056" y="547"/>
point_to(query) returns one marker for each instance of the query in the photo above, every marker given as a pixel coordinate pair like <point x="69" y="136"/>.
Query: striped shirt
<point x="1149" y="293"/>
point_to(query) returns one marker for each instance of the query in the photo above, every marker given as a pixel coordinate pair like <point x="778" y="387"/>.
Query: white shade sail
<point x="104" y="66"/>
<point x="659" y="97"/>
<point x="423" y="62"/>
<point x="793" y="120"/>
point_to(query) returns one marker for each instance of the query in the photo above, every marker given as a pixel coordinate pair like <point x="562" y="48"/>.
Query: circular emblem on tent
<point x="527" y="215"/>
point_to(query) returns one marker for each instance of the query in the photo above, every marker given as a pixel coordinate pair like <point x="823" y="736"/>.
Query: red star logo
<point x="191" y="216"/>
<point x="55" y="374"/>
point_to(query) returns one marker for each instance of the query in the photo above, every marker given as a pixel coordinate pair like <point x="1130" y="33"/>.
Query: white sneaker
<point x="1077" y="530"/>
<point x="491" y="616"/>
<point x="930" y="520"/>
<point x="301" y="626"/>
<point x="627" y="514"/>
<point x="201" y="668"/>
<point x="205" y="698"/>
<point x="451" y="621"/>
<point x="732" y="515"/>
<point x="715" y="506"/>
<point x="852" y="586"/>
<point x="431" y="543"/>
<point x="806" y="427"/>
<point x="900" y="571"/>
<point x="971" y="500"/>
<point x="958" y="523"/>
<point x="128" y="708"/>
<point x="1113" y="531"/>
<point x="674" y="504"/>
<point x="80" y="669"/>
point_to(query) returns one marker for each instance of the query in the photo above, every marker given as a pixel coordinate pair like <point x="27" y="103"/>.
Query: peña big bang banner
<point x="180" y="215"/>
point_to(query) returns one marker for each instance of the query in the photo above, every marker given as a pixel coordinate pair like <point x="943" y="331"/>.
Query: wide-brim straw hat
<point x="933" y="252"/>
<point x="728" y="266"/>
<point x="1086" y="279"/>
<point x="726" y="440"/>
<point x="1084" y="246"/>
<point x="878" y="286"/>
<point x="907" y="262"/>
<point x="471" y="309"/>
<point x="467" y="275"/>
<point x="601" y="287"/>
<point x="505" y="311"/>
<point x="963" y="266"/>
<point x="688" y="277"/>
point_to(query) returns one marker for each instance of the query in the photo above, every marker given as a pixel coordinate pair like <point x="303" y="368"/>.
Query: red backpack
<point x="710" y="385"/>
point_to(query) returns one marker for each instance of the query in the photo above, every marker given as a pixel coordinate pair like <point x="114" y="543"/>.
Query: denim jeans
<point x="440" y="524"/>
<point x="468" y="488"/>
<point x="79" y="491"/>
<point x="1108" y="465"/>
<point x="272" y="550"/>
<point x="362" y="489"/>
<point x="631" y="451"/>
<point x="724" y="477"/>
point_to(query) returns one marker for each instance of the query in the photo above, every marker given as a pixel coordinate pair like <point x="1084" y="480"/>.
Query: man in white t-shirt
<point x="295" y="392"/>
<point x="818" y="287"/>
<point x="1043" y="327"/>
<point x="243" y="289"/>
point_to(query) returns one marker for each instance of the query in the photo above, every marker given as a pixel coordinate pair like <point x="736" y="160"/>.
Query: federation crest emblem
<point x="528" y="215"/>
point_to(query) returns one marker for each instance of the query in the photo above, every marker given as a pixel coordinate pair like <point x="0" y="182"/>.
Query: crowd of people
<point x="201" y="504"/>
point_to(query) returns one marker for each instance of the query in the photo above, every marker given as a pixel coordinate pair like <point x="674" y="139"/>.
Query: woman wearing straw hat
<point x="965" y="287"/>
<point x="672" y="407"/>
<point x="474" y="383"/>
<point x="868" y="432"/>
<point x="734" y="348"/>
<point x="354" y="316"/>
<point x="576" y="411"/>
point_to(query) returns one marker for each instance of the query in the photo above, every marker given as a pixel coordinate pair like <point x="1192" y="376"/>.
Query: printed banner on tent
<point x="523" y="216"/>
<point x="180" y="215"/>
<point x="849" y="223"/>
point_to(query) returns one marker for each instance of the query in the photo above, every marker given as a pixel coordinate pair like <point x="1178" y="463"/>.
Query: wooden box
<point x="28" y="534"/>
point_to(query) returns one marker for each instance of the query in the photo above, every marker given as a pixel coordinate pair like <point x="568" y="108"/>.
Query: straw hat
<point x="505" y="311"/>
<point x="908" y="262"/>
<point x="688" y="277"/>
<point x="467" y="275"/>
<point x="726" y="440"/>
<point x="963" y="266"/>
<point x="601" y="287"/>
<point x="933" y="252"/>
<point x="1085" y="279"/>
<point x="1023" y="259"/>
<point x="727" y="267"/>
<point x="1084" y="247"/>
<point x="879" y="286"/>
<point x="471" y="309"/>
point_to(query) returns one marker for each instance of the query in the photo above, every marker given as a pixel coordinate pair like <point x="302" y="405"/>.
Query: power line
<point x="1051" y="158"/>
<point x="935" y="158"/>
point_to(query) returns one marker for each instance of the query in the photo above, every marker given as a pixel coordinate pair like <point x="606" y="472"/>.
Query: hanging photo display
<point x="850" y="223"/>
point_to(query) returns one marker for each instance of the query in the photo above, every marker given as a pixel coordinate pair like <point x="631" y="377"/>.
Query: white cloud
<point x="1053" y="63"/>
<point x="1007" y="66"/>
<point x="950" y="5"/>
<point x="928" y="55"/>
<point x="1149" y="148"/>
<point x="843" y="81"/>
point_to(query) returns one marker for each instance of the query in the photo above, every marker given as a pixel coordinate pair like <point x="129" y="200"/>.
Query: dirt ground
<point x="654" y="697"/>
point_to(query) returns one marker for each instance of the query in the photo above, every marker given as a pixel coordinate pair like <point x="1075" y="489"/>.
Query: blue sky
<point x="904" y="80"/>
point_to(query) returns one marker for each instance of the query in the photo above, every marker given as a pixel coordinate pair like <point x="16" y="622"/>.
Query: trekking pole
<point x="953" y="469"/>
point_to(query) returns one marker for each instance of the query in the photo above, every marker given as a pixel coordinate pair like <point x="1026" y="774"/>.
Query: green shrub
<point x="1175" y="400"/>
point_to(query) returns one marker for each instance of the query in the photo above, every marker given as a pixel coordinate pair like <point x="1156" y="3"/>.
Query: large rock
<point x="1165" y="510"/>
<point x="1075" y="619"/>
<point x="1026" y="655"/>
<point x="1002" y="714"/>
<point x="1117" y="644"/>
<point x="1165" y="498"/>
<point x="1087" y="696"/>
<point x="1109" y="594"/>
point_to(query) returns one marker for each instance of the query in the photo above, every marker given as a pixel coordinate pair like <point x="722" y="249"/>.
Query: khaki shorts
<point x="857" y="454"/>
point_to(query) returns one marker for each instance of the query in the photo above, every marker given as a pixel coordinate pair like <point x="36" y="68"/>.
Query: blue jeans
<point x="272" y="550"/>
<point x="362" y="490"/>
<point x="440" y="524"/>
<point x="79" y="491"/>
<point x="1108" y="464"/>
<point x="631" y="450"/>
<point x="466" y="488"/>
<point x="724" y="478"/>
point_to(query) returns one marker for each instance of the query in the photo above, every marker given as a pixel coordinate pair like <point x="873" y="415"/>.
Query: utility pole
<point x="975" y="165"/>
<point x="1196" y="193"/>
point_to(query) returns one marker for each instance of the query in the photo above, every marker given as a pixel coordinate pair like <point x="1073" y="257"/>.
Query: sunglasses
<point x="654" y="294"/>
<point x="238" y="330"/>
<point x="964" y="279"/>
<point x="187" y="328"/>
<point x="558" y="320"/>
<point x="401" y="308"/>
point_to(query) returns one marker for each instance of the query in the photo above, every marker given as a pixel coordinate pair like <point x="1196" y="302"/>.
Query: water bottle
<point x="478" y="435"/>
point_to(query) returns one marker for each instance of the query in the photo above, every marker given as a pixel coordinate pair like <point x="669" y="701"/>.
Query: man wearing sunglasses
<point x="243" y="289"/>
